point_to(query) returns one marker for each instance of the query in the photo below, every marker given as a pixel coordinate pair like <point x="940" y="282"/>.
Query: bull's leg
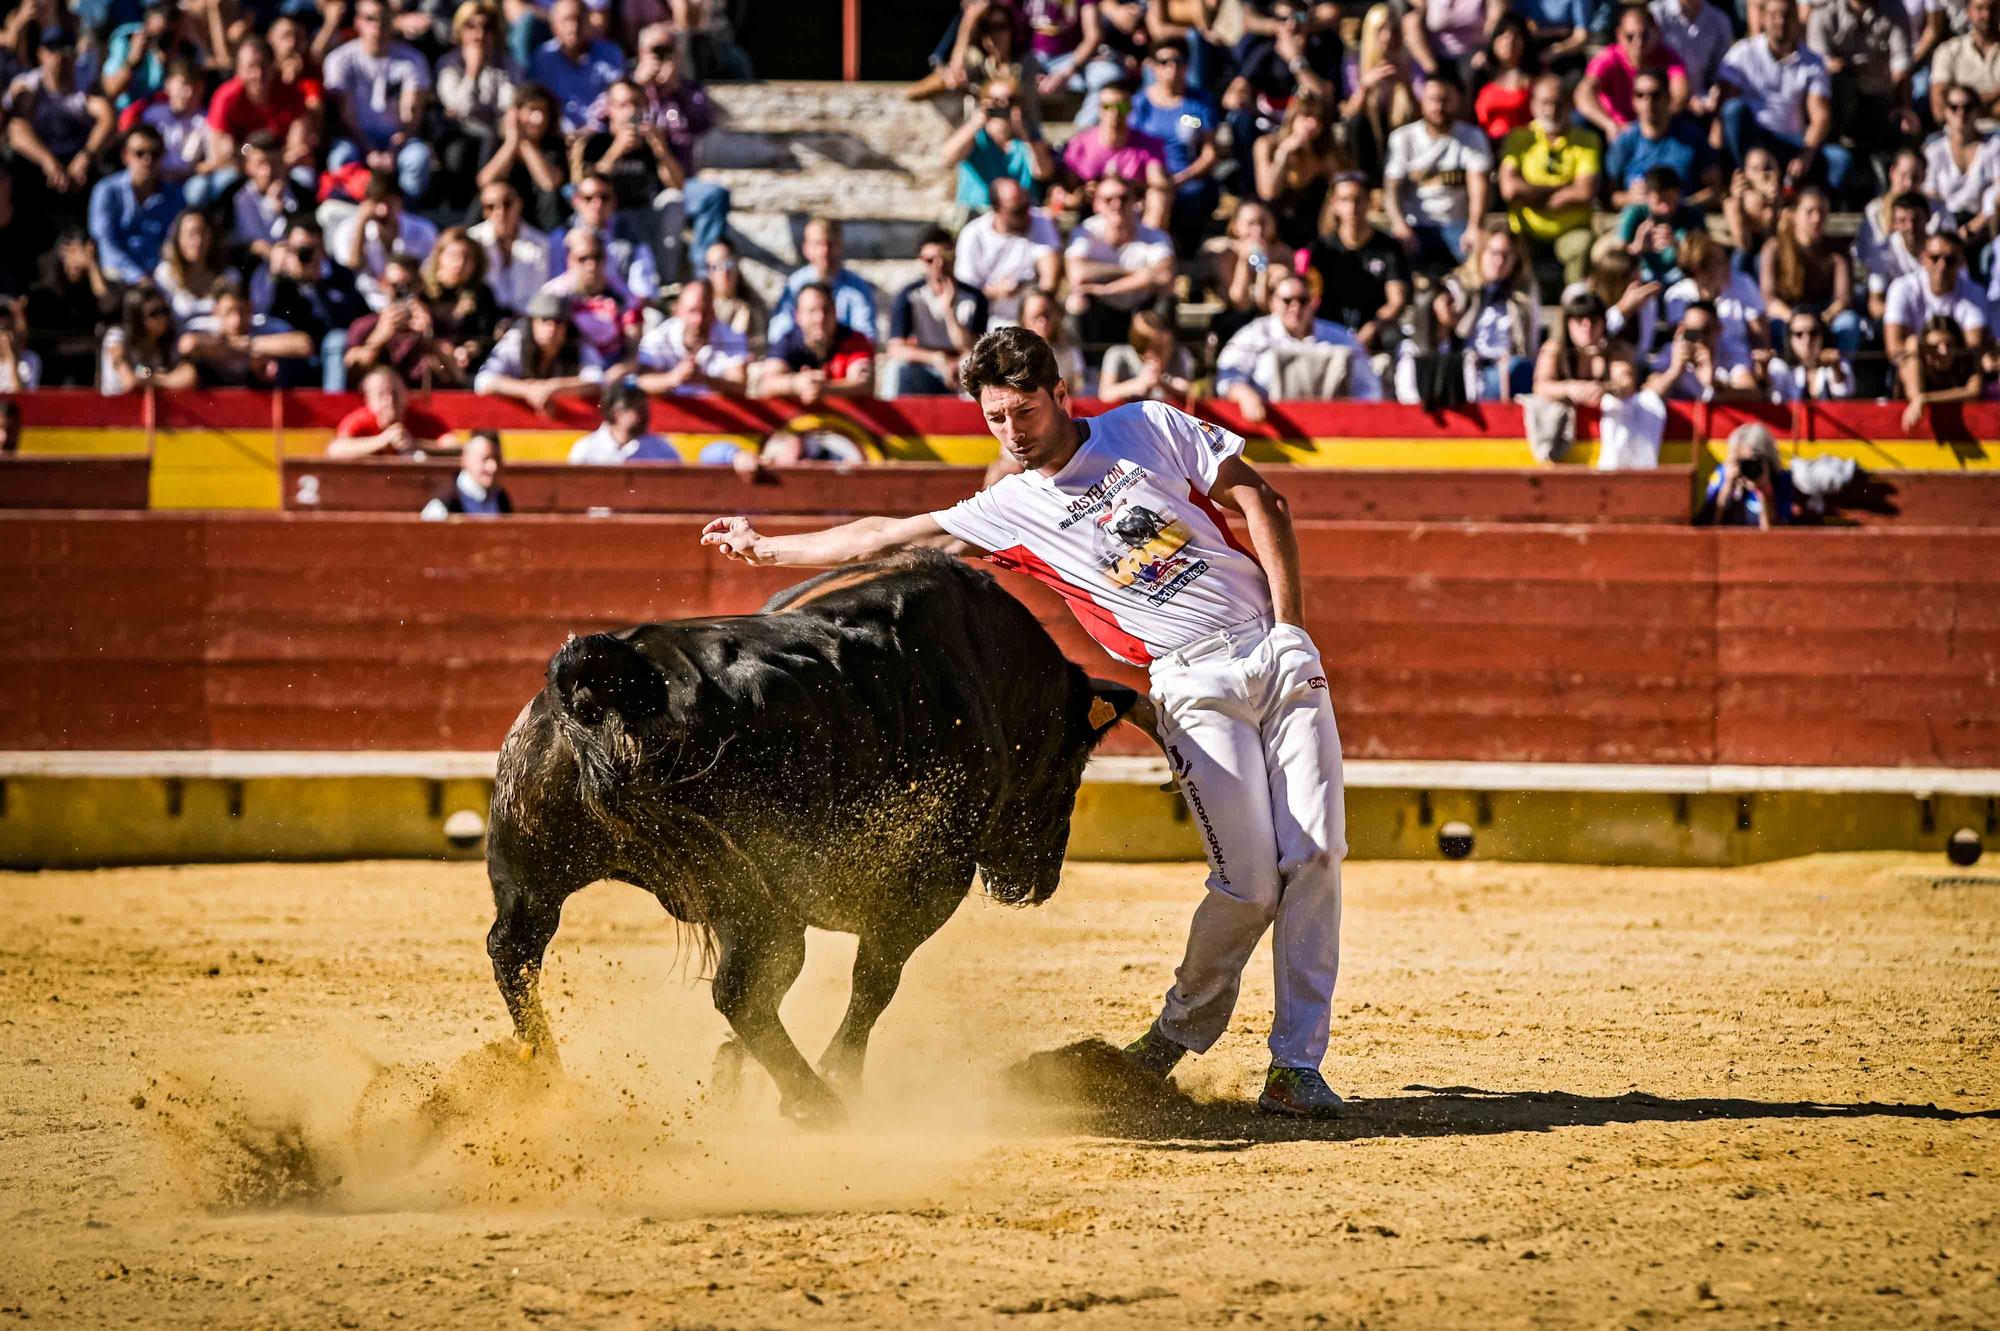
<point x="878" y="970"/>
<point x="751" y="977"/>
<point x="523" y="923"/>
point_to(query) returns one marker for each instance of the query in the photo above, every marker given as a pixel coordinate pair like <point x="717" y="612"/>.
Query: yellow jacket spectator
<point x="1548" y="179"/>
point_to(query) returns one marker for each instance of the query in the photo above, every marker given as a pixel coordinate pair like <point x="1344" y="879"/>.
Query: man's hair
<point x="1660" y="179"/>
<point x="936" y="235"/>
<point x="535" y="92"/>
<point x="820" y="287"/>
<point x="146" y="133"/>
<point x="491" y="436"/>
<point x="1914" y="200"/>
<point x="264" y="141"/>
<point x="382" y="188"/>
<point x="304" y="222"/>
<point x="1447" y="78"/>
<point x="384" y="372"/>
<point x="1179" y="48"/>
<point x="1705" y="307"/>
<point x="1010" y="357"/>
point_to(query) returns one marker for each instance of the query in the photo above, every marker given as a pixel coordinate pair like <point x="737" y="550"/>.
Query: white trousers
<point x="1248" y="728"/>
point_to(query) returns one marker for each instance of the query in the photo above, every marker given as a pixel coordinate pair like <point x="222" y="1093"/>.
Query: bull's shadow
<point x="1092" y="1094"/>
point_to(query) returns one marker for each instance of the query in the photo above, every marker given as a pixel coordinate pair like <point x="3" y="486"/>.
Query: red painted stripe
<point x="1097" y="621"/>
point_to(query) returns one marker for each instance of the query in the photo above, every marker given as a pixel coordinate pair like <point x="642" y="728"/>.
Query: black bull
<point x="843" y="759"/>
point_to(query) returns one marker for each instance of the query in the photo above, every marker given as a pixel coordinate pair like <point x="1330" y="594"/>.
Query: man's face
<point x="1031" y="427"/>
<point x="1649" y="99"/>
<point x="1295" y="307"/>
<point x="622" y="102"/>
<point x="586" y="259"/>
<point x="1906" y="222"/>
<point x="566" y="22"/>
<point x="1779" y="16"/>
<point x="1170" y="70"/>
<point x="232" y="316"/>
<point x="693" y="307"/>
<point x="1010" y="205"/>
<point x="1545" y="104"/>
<point x="384" y="395"/>
<point x="1698" y="327"/>
<point x="1112" y="108"/>
<point x="180" y="94"/>
<point x="305" y="248"/>
<point x="1349" y="202"/>
<point x="996" y="107"/>
<point x="480" y="462"/>
<point x="1941" y="263"/>
<point x="1979" y="13"/>
<point x="1113" y="203"/>
<point x="816" y="318"/>
<point x="1438" y="103"/>
<point x="629" y="420"/>
<point x="369" y="27"/>
<point x="936" y="260"/>
<point x="253" y="67"/>
<point x="821" y="245"/>
<point x="1634" y="30"/>
<point x="499" y="205"/>
<point x="142" y="159"/>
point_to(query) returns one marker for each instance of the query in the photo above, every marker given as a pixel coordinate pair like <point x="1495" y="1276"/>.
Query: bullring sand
<point x="265" y="1096"/>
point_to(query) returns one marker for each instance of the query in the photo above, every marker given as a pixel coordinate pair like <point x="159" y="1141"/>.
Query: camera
<point x="1751" y="469"/>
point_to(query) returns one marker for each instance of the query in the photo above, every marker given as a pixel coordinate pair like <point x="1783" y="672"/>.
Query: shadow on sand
<point x="1088" y="1087"/>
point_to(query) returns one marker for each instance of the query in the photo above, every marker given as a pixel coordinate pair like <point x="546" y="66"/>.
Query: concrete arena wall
<point x="1514" y="643"/>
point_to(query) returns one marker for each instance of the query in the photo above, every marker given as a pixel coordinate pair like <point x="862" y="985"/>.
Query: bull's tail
<point x="604" y="689"/>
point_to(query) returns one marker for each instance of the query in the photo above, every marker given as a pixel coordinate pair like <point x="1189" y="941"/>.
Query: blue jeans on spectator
<point x="414" y="163"/>
<point x="1741" y="132"/>
<point x="1439" y="248"/>
<point x="707" y="205"/>
<point x="333" y="361"/>
<point x="905" y="378"/>
<point x="1503" y="381"/>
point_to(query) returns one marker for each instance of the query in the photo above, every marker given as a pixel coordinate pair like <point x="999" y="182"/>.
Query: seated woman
<point x="189" y="269"/>
<point x="1945" y="369"/>
<point x="1502" y="104"/>
<point x="1804" y="269"/>
<point x="1152" y="364"/>
<point x="1807" y="369"/>
<point x="538" y="361"/>
<point x="1574" y="365"/>
<point x="1489" y="313"/>
<point x="465" y="317"/>
<point x="141" y="350"/>
<point x="1243" y="264"/>
<point x="1296" y="164"/>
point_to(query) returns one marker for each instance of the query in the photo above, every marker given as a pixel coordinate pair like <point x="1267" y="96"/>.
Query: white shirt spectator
<point x="508" y="360"/>
<point x="1964" y="191"/>
<point x="186" y="305"/>
<point x="599" y="449"/>
<point x="986" y="257"/>
<point x="1789" y="382"/>
<point x="1911" y="303"/>
<point x="414" y="237"/>
<point x="1248" y="358"/>
<point x="1437" y="165"/>
<point x="1147" y="247"/>
<point x="24" y="375"/>
<point x="186" y="138"/>
<point x="373" y="85"/>
<point x="1700" y="42"/>
<point x="1776" y="89"/>
<point x="1740" y="302"/>
<point x="665" y="346"/>
<point x="517" y="275"/>
<point x="1629" y="431"/>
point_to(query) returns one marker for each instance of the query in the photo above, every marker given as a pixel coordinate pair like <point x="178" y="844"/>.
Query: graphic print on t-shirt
<point x="1136" y="537"/>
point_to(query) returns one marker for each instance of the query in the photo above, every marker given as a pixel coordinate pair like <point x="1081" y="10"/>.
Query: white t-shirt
<point x="1629" y="431"/>
<point x="1126" y="532"/>
<point x="599" y="449"/>
<point x="1146" y="248"/>
<point x="987" y="257"/>
<point x="1789" y="382"/>
<point x="1776" y="90"/>
<point x="1437" y="166"/>
<point x="665" y="346"/>
<point x="1740" y="302"/>
<point x="1911" y="303"/>
<point x="1962" y="191"/>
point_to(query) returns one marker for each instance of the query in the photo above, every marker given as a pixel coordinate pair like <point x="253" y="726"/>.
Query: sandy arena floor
<point x="1762" y="1097"/>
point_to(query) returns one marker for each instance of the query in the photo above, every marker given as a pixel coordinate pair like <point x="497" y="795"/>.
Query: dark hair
<point x="820" y="287"/>
<point x="936" y="235"/>
<point x="1448" y="78"/>
<point x="1706" y="307"/>
<point x="228" y="287"/>
<point x="1010" y="357"/>
<point x="1915" y="200"/>
<point x="1660" y="179"/>
<point x="264" y="141"/>
<point x="381" y="188"/>
<point x="622" y="393"/>
<point x="491" y="436"/>
<point x="147" y="133"/>
<point x="305" y="222"/>
<point x="535" y="92"/>
<point x="1178" y="48"/>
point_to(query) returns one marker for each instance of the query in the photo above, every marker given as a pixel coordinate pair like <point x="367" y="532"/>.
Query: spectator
<point x="1734" y="299"/>
<point x="141" y="351"/>
<point x="476" y="490"/>
<point x="1115" y="264"/>
<point x="1296" y="164"/>
<point x="628" y="153"/>
<point x="853" y="299"/>
<point x="1809" y="370"/>
<point x="1009" y="251"/>
<point x="1942" y="369"/>
<point x="475" y="92"/>
<point x="1896" y="255"/>
<point x="1291" y="354"/>
<point x="1442" y="36"/>
<point x="628" y="253"/>
<point x="237" y="349"/>
<point x="1041" y="314"/>
<point x="1875" y="240"/>
<point x="20" y="368"/>
<point x="1802" y="269"/>
<point x="1111" y="147"/>
<point x="1751" y="210"/>
<point x="1961" y="164"/>
<point x="132" y="210"/>
<point x="386" y="422"/>
<point x="54" y="122"/>
<point x="188" y="150"/>
<point x="378" y="228"/>
<point x="401" y="334"/>
<point x="1150" y="365"/>
<point x="820" y="356"/>
<point x="1502" y="104"/>
<point x="1867" y="55"/>
<point x="1699" y="34"/>
<point x="1244" y="264"/>
<point x="518" y="257"/>
<point x="737" y="303"/>
<point x="465" y="316"/>
<point x="574" y="65"/>
<point x="1604" y="94"/>
<point x="934" y="321"/>
<point x="1777" y="96"/>
<point x="1383" y="100"/>
<point x="301" y="286"/>
<point x="68" y="301"/>
<point x="1185" y="128"/>
<point x="188" y="272"/>
<point x="693" y="351"/>
<point x="986" y="47"/>
<point x="532" y="158"/>
<point x="995" y="145"/>
<point x="1574" y="364"/>
<point x="1695" y="371"/>
<point x="10" y="427"/>
<point x="538" y="359"/>
<point x="1558" y="29"/>
<point x="678" y="107"/>
<point x="1363" y="272"/>
<point x="1548" y="178"/>
<point x="626" y="434"/>
<point x="1751" y="488"/>
<point x="1631" y="304"/>
<point x="1654" y="229"/>
<point x="1942" y="288"/>
<point x="380" y="88"/>
<point x="267" y="201"/>
<point x="1657" y="137"/>
<point x="1436" y="179"/>
<point x="1488" y="314"/>
<point x="1114" y="40"/>
<point x="257" y="101"/>
<point x="1970" y="61"/>
<point x="137" y="57"/>
<point x="602" y="314"/>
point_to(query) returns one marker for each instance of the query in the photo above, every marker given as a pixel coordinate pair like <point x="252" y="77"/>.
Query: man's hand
<point x="735" y="537"/>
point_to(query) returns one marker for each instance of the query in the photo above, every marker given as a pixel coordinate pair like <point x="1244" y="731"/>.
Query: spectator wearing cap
<point x="934" y="321"/>
<point x="997" y="145"/>
<point x="304" y="288"/>
<point x="132" y="210"/>
<point x="1009" y="251"/>
<point x="1115" y="264"/>
<point x="386" y="422"/>
<point x="476" y="490"/>
<point x="602" y="314"/>
<point x="538" y="359"/>
<point x="626" y="434"/>
<point x="1970" y="61"/>
<point x="257" y="101"/>
<point x="1942" y="288"/>
<point x="1867" y="55"/>
<point x="380" y="87"/>
<point x="1604" y="94"/>
<point x="819" y="356"/>
<point x="1660" y="137"/>
<point x="1290" y="353"/>
<point x="1777" y="96"/>
<point x="692" y="352"/>
<point x="628" y="256"/>
<point x="1548" y="179"/>
<point x="674" y="103"/>
<point x="55" y="123"/>
<point x="574" y="64"/>
<point x="1436" y="178"/>
<point x="1700" y="34"/>
<point x="377" y="228"/>
<point x="1185" y="129"/>
<point x="1111" y="147"/>
<point x="518" y="257"/>
<point x="1364" y="274"/>
<point x="853" y="299"/>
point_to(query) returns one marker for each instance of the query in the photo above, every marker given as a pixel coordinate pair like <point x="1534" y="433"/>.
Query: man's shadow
<point x="1088" y="1087"/>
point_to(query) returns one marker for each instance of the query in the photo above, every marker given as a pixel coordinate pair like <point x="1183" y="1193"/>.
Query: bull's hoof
<point x="819" y="1110"/>
<point x="842" y="1074"/>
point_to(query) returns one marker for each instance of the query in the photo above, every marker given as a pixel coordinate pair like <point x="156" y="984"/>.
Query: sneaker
<point x="1154" y="1054"/>
<point x="1299" y="1093"/>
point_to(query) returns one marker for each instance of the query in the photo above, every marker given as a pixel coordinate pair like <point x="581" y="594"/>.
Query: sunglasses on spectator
<point x="723" y="266"/>
<point x="1291" y="300"/>
<point x="1644" y="94"/>
<point x="1169" y="58"/>
<point x="1805" y="332"/>
<point x="1117" y="196"/>
<point x="591" y="196"/>
<point x="144" y="154"/>
<point x="660" y="52"/>
<point x="1958" y="108"/>
<point x="998" y="108"/>
<point x="587" y="258"/>
<point x="496" y="205"/>
<point x="1940" y="256"/>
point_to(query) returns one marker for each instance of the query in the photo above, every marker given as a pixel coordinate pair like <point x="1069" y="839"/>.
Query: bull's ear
<point x="1109" y="704"/>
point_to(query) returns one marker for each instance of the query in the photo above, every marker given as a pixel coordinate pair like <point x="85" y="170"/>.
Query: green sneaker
<point x="1298" y="1093"/>
<point x="1154" y="1054"/>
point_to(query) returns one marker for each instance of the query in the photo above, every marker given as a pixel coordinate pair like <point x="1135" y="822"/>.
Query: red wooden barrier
<point x="85" y="482"/>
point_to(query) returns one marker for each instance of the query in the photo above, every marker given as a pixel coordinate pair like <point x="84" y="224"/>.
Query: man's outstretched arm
<point x="850" y="543"/>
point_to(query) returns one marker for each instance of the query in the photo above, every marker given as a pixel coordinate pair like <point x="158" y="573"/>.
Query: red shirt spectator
<point x="421" y="424"/>
<point x="232" y="112"/>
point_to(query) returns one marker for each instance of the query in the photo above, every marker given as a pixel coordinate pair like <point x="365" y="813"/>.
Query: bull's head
<point x="1022" y="861"/>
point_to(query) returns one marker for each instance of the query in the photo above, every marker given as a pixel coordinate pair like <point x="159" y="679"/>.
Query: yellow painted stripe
<point x="80" y="441"/>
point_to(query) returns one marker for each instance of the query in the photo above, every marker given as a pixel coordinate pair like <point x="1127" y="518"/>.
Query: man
<point x="1971" y="61"/>
<point x="625" y="435"/>
<point x="136" y="57"/>
<point x="934" y="321"/>
<point x="1777" y="97"/>
<point x="1604" y="93"/>
<point x="132" y="210"/>
<point x="257" y="101"/>
<point x="1548" y="179"/>
<point x="1291" y="348"/>
<point x="678" y="107"/>
<point x="1111" y="147"/>
<point x="1897" y="256"/>
<point x="58" y="125"/>
<point x="1009" y="252"/>
<point x="1658" y="137"/>
<point x="628" y="257"/>
<point x="1867" y="55"/>
<point x="386" y="422"/>
<point x="1654" y="225"/>
<point x="825" y="265"/>
<point x="996" y="145"/>
<point x="401" y="334"/>
<point x="1700" y="34"/>
<point x="1115" y="264"/>
<point x="603" y="317"/>
<point x="1436" y="178"/>
<point x="574" y="64"/>
<point x="1942" y="288"/>
<point x="376" y="229"/>
<point x="381" y="87"/>
<point x="476" y="490"/>
<point x="820" y="356"/>
<point x="518" y="257"/>
<point x="267" y="200"/>
<point x="1364" y="274"/>
<point x="1120" y="514"/>
<point x="693" y="352"/>
<point x="305" y="289"/>
<point x="1186" y="131"/>
<point x="1694" y="372"/>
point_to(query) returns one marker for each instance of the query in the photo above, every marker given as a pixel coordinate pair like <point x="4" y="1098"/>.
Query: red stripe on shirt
<point x="1214" y="514"/>
<point x="1097" y="621"/>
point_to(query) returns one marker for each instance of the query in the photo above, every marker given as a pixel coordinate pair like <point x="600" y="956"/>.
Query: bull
<point x="845" y="759"/>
